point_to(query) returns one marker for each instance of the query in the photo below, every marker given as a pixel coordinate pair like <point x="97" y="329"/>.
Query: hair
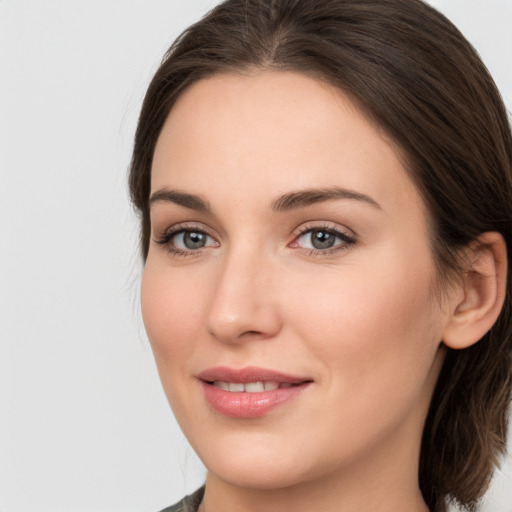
<point x="410" y="69"/>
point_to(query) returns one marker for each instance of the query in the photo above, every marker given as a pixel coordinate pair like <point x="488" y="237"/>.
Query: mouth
<point x="250" y="392"/>
<point x="251" y="387"/>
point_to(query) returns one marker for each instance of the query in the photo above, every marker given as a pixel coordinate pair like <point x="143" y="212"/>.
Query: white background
<point x="84" y="425"/>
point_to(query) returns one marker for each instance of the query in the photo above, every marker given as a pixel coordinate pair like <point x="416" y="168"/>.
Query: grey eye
<point x="322" y="239"/>
<point x="192" y="240"/>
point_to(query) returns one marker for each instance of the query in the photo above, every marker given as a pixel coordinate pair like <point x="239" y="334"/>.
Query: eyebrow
<point x="308" y="197"/>
<point x="286" y="202"/>
<point x="191" y="201"/>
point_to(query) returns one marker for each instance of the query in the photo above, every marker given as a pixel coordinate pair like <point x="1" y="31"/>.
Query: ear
<point x="482" y="287"/>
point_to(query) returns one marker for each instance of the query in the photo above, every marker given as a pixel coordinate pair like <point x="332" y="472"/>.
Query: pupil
<point x="322" y="239"/>
<point x="194" y="240"/>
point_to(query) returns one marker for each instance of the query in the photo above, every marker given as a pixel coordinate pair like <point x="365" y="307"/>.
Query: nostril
<point x="243" y="319"/>
<point x="251" y="335"/>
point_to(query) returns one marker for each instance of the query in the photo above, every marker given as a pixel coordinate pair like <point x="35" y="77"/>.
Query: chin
<point x="261" y="469"/>
<point x="268" y="468"/>
<point x="256" y="477"/>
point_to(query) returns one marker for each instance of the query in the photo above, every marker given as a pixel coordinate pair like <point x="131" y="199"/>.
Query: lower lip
<point x="249" y="405"/>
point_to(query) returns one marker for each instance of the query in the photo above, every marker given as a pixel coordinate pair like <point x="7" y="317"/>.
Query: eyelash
<point x="166" y="238"/>
<point x="346" y="240"/>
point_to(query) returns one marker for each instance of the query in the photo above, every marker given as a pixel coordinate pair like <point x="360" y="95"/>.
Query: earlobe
<point x="483" y="285"/>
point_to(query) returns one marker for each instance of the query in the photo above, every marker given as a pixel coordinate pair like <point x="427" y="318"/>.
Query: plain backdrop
<point x="84" y="425"/>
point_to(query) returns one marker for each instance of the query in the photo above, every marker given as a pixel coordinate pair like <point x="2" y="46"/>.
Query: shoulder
<point x="189" y="503"/>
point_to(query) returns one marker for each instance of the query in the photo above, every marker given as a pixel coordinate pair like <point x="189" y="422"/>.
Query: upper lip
<point x="248" y="374"/>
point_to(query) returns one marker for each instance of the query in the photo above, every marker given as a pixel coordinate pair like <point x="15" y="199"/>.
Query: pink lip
<point x="249" y="405"/>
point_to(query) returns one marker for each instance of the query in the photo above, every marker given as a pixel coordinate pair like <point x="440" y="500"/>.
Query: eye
<point x="189" y="240"/>
<point x="181" y="240"/>
<point x="323" y="240"/>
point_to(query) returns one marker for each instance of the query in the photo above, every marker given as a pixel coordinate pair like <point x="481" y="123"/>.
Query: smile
<point x="250" y="392"/>
<point x="251" y="387"/>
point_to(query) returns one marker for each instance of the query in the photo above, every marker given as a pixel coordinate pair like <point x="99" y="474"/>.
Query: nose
<point x="243" y="306"/>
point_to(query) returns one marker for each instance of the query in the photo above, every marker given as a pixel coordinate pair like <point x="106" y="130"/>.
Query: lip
<point x="246" y="405"/>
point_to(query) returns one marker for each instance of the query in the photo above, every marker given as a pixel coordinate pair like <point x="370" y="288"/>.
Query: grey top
<point x="189" y="503"/>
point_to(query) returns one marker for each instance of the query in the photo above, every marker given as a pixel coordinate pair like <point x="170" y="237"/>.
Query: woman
<point x="325" y="190"/>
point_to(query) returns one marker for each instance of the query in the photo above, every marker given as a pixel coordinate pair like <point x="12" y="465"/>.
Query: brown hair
<point x="418" y="78"/>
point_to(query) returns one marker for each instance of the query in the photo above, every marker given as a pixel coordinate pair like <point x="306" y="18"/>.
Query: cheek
<point x="171" y="310"/>
<point x="374" y="327"/>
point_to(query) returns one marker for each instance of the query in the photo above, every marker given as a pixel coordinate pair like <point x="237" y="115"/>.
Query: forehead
<point x="270" y="131"/>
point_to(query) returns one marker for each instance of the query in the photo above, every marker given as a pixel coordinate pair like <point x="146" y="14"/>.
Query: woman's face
<point x="287" y="292"/>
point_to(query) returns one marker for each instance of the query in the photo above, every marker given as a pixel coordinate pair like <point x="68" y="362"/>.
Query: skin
<point x="361" y="320"/>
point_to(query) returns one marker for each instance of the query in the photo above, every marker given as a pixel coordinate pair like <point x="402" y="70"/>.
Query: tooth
<point x="251" y="387"/>
<point x="270" y="385"/>
<point x="254" y="387"/>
